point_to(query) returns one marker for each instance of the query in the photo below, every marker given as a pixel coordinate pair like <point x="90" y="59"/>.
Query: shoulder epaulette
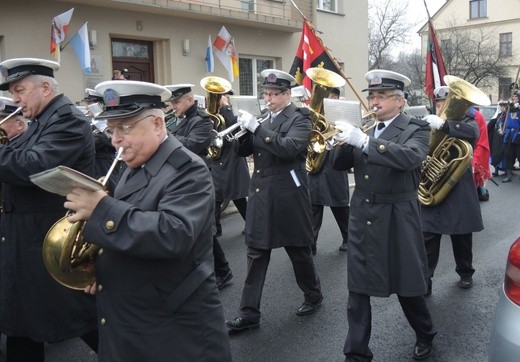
<point x="418" y="121"/>
<point x="179" y="158"/>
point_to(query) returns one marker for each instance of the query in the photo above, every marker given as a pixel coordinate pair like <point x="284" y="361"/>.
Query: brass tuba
<point x="449" y="157"/>
<point x="323" y="81"/>
<point x="68" y="257"/>
<point x="215" y="87"/>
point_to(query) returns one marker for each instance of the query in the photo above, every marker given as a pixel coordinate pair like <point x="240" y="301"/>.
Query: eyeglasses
<point x="125" y="128"/>
<point x="380" y="97"/>
<point x="265" y="94"/>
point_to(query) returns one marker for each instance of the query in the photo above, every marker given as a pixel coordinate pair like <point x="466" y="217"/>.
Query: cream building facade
<point x="165" y="41"/>
<point x="499" y="18"/>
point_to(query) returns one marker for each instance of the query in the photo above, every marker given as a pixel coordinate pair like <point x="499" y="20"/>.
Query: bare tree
<point x="472" y="54"/>
<point x="388" y="28"/>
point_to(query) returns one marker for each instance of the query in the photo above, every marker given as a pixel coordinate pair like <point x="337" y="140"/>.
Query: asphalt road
<point x="463" y="317"/>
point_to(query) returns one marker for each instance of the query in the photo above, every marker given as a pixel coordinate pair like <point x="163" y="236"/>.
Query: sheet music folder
<point x="62" y="179"/>
<point x="342" y="109"/>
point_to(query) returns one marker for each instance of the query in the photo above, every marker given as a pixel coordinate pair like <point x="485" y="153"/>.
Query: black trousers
<point x="219" y="258"/>
<point x="511" y="155"/>
<point x="241" y="205"/>
<point x="24" y="349"/>
<point x="462" y="251"/>
<point x="257" y="263"/>
<point x="359" y="315"/>
<point x="341" y="214"/>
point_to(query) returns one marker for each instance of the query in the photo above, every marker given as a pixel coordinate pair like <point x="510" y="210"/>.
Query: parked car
<point x="487" y="111"/>
<point x="504" y="343"/>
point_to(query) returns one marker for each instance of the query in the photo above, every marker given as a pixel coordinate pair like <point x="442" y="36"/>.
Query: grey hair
<point x="40" y="79"/>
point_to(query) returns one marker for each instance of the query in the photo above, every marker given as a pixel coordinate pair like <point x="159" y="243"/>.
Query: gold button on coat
<point x="367" y="177"/>
<point x="100" y="251"/>
<point x="103" y="321"/>
<point x="267" y="140"/>
<point x="99" y="287"/>
<point x="110" y="224"/>
<point x="369" y="223"/>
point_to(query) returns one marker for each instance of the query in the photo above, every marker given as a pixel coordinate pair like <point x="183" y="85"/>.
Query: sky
<point x="417" y="12"/>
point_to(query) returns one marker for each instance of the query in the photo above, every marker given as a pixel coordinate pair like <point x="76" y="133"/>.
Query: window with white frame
<point x="248" y="5"/>
<point x="477" y="9"/>
<point x="250" y="78"/>
<point x="506" y="44"/>
<point x="328" y="5"/>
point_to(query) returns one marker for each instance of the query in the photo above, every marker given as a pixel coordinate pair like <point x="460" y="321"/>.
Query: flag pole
<point x="334" y="60"/>
<point x="70" y="37"/>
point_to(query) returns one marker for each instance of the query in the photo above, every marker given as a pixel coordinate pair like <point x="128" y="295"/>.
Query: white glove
<point x="350" y="134"/>
<point x="435" y="122"/>
<point x="217" y="142"/>
<point x="247" y="120"/>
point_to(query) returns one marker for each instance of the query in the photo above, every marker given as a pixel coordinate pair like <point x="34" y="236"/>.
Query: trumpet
<point x="245" y="131"/>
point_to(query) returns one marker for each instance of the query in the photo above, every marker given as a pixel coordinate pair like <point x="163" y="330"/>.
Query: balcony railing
<point x="279" y="14"/>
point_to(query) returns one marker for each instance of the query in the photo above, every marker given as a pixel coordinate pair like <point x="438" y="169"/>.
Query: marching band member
<point x="386" y="252"/>
<point x="14" y="126"/>
<point x="155" y="287"/>
<point x="193" y="126"/>
<point x="447" y="218"/>
<point x="330" y="187"/>
<point x="278" y="208"/>
<point x="34" y="308"/>
<point x="231" y="179"/>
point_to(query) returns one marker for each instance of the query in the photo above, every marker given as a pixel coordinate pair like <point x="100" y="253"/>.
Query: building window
<point x="250" y="69"/>
<point x="506" y="44"/>
<point x="328" y="5"/>
<point x="504" y="88"/>
<point x="477" y="9"/>
<point x="247" y="5"/>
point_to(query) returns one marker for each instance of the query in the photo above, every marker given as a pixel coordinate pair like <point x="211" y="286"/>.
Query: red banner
<point x="310" y="53"/>
<point x="435" y="69"/>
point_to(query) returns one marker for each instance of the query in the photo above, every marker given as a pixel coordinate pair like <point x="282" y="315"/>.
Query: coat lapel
<point x="394" y="129"/>
<point x="129" y="185"/>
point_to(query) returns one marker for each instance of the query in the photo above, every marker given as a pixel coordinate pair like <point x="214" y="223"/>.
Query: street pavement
<point x="463" y="317"/>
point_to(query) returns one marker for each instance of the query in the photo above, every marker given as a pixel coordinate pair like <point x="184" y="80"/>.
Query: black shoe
<point x="309" y="308"/>
<point x="222" y="281"/>
<point x="241" y="324"/>
<point x="466" y="282"/>
<point x="507" y="179"/>
<point x="422" y="350"/>
<point x="429" y="290"/>
<point x="343" y="247"/>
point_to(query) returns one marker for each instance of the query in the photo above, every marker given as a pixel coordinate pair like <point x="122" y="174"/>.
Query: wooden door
<point x="136" y="56"/>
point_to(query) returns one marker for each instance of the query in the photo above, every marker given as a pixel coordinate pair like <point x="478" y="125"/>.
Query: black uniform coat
<point x="279" y="208"/>
<point x="497" y="146"/>
<point x="329" y="187"/>
<point x="459" y="212"/>
<point x="33" y="304"/>
<point x="157" y="297"/>
<point x="194" y="130"/>
<point x="386" y="250"/>
<point x="230" y="172"/>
